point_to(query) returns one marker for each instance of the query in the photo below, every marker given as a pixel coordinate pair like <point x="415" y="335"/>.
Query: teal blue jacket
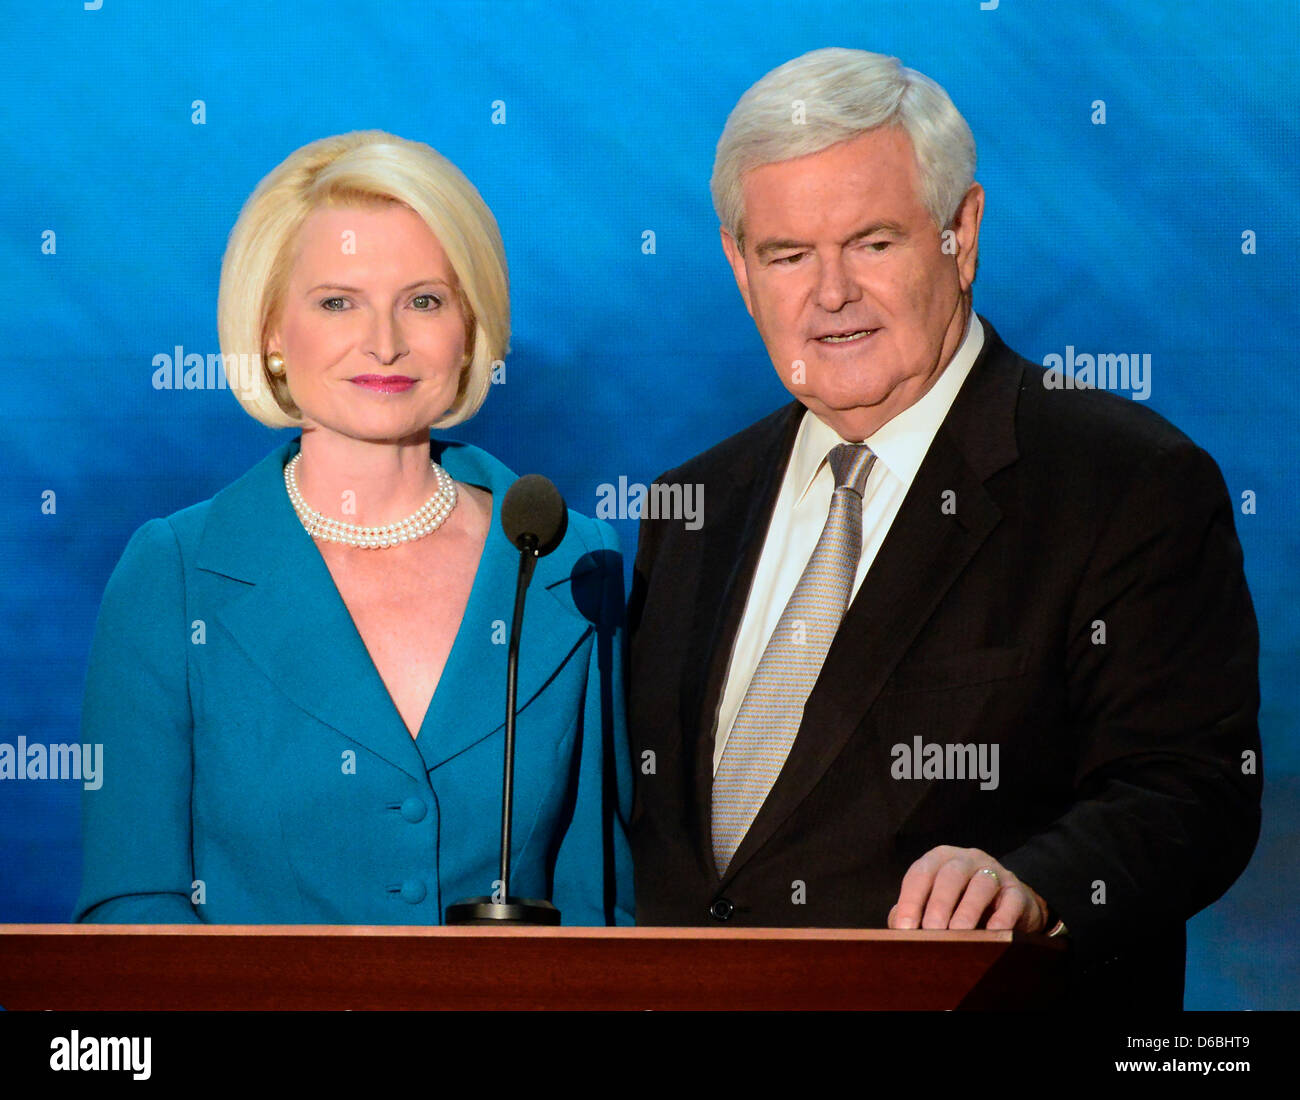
<point x="256" y="771"/>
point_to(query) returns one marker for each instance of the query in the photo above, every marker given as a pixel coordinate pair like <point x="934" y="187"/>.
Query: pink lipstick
<point x="384" y="383"/>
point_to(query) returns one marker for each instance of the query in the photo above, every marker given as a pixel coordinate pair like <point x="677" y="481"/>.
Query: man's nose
<point x="835" y="283"/>
<point x="385" y="340"/>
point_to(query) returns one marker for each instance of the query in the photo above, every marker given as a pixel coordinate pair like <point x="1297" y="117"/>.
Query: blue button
<point x="413" y="891"/>
<point x="414" y="809"/>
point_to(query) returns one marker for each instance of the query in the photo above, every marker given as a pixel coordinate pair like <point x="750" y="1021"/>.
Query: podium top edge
<point x="479" y="931"/>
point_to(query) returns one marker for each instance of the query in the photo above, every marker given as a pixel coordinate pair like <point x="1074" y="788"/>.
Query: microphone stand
<point x="501" y="908"/>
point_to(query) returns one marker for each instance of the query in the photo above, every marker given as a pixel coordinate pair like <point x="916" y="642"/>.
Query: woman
<point x="299" y="684"/>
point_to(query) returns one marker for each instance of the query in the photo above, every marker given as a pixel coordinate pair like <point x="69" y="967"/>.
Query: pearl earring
<point x="275" y="362"/>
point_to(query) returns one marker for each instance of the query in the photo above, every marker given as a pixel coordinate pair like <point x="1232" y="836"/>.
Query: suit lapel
<point x="924" y="552"/>
<point x="285" y="612"/>
<point x="472" y="706"/>
<point x="730" y="559"/>
<point x="288" y="618"/>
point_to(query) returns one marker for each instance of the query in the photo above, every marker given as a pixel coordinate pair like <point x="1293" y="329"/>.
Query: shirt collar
<point x="900" y="443"/>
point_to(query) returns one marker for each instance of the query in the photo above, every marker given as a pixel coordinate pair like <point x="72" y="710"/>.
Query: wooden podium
<point x="280" y="967"/>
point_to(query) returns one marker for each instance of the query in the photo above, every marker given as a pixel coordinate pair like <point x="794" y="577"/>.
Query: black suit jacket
<point x="1122" y="796"/>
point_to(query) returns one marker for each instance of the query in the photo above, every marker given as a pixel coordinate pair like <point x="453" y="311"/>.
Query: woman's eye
<point x="329" y="304"/>
<point x="426" y="302"/>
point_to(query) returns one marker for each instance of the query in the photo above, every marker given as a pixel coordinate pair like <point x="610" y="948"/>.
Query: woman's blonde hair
<point x="364" y="168"/>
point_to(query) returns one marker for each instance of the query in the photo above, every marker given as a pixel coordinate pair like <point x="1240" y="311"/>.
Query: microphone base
<point x="484" y="910"/>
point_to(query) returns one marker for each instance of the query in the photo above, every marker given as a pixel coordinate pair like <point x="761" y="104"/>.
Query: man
<point x="954" y="647"/>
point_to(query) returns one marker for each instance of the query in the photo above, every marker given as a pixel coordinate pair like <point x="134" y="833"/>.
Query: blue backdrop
<point x="1167" y="229"/>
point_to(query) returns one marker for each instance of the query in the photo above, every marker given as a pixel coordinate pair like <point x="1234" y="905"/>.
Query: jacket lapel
<point x="286" y="614"/>
<point x="740" y="521"/>
<point x="556" y="624"/>
<point x="904" y="584"/>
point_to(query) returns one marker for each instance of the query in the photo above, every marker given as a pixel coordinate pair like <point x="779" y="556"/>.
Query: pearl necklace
<point x="432" y="514"/>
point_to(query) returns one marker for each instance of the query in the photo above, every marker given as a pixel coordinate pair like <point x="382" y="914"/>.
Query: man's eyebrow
<point x="883" y="226"/>
<point x="356" y="290"/>
<point x="766" y="248"/>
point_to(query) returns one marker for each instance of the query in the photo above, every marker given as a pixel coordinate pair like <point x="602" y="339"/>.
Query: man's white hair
<point x="832" y="95"/>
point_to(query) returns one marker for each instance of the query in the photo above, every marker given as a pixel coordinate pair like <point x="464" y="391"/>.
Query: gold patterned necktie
<point x="772" y="710"/>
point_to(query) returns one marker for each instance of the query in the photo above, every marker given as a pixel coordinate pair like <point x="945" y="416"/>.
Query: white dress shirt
<point x="804" y="502"/>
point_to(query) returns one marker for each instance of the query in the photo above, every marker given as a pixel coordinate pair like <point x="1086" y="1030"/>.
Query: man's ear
<point x="738" y="268"/>
<point x="966" y="227"/>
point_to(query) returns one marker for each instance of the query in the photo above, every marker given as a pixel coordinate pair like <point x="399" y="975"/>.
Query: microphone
<point x="533" y="514"/>
<point x="534" y="519"/>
